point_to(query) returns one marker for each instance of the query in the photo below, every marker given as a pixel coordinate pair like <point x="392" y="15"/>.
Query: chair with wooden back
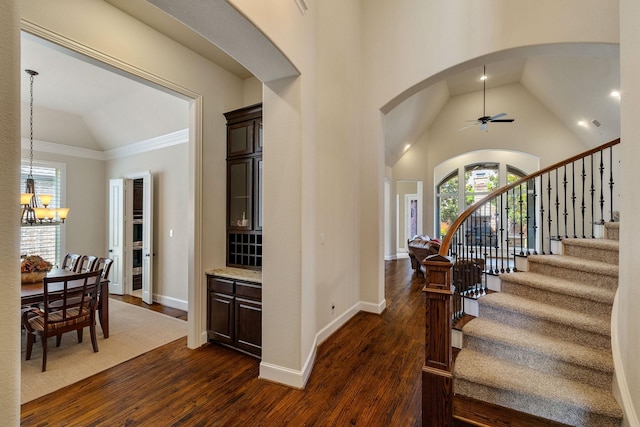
<point x="69" y="304"/>
<point x="86" y="264"/>
<point x="104" y="264"/>
<point x="72" y="261"/>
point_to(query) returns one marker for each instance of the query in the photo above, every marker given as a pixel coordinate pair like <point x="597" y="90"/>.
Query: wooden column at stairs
<point x="437" y="372"/>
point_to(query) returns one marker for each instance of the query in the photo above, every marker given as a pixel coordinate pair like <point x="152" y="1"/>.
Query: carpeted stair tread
<point x="575" y="263"/>
<point x="536" y="391"/>
<point x="529" y="342"/>
<point x="604" y="250"/>
<point x="608" y="244"/>
<point x="550" y="313"/>
<point x="560" y="286"/>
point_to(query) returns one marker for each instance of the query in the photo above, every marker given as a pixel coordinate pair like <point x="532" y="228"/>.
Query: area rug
<point x="133" y="331"/>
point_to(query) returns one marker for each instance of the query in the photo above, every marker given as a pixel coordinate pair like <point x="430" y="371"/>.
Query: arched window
<point x="447" y="202"/>
<point x="478" y="180"/>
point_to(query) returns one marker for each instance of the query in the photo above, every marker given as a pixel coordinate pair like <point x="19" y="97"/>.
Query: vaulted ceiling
<point x="103" y="109"/>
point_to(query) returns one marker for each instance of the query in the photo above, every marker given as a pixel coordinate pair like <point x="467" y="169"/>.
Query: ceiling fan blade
<point x="470" y="126"/>
<point x="502" y="120"/>
<point x="497" y="116"/>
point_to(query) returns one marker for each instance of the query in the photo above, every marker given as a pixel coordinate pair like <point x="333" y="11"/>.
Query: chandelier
<point x="32" y="212"/>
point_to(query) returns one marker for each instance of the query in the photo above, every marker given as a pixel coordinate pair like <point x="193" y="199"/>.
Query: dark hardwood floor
<point x="366" y="374"/>
<point x="130" y="299"/>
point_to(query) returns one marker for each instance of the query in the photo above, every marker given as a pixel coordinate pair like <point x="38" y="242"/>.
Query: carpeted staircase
<point x="543" y="344"/>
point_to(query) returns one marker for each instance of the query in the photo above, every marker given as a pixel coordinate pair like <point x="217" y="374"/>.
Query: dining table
<point x="33" y="293"/>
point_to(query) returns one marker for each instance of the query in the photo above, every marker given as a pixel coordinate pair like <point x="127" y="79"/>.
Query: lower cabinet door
<point x="248" y="331"/>
<point x="221" y="317"/>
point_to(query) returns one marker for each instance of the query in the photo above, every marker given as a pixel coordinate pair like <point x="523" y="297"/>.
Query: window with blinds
<point x="43" y="240"/>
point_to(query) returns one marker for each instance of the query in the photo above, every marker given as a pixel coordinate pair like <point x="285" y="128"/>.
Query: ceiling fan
<point x="484" y="120"/>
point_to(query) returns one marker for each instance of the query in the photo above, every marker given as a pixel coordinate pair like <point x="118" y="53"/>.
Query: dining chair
<point x="69" y="303"/>
<point x="86" y="263"/>
<point x="70" y="261"/>
<point x="104" y="264"/>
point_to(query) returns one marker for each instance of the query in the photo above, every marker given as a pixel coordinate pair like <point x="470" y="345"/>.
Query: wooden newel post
<point x="437" y="372"/>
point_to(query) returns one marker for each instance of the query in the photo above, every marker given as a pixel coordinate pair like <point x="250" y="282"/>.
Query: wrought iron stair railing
<point x="566" y="199"/>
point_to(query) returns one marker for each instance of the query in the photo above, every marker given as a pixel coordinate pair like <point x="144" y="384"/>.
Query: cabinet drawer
<point x="217" y="284"/>
<point x="249" y="290"/>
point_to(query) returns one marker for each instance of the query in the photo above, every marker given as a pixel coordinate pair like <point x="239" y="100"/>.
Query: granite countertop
<point x="237" y="273"/>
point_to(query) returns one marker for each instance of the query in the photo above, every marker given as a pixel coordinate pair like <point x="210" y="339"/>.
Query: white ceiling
<point x="572" y="81"/>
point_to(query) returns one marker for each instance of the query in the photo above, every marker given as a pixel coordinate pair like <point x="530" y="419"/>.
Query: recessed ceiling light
<point x="615" y="94"/>
<point x="583" y="123"/>
<point x="406" y="147"/>
<point x="484" y="77"/>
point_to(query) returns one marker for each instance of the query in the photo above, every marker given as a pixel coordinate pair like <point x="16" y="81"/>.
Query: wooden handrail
<point x="446" y="243"/>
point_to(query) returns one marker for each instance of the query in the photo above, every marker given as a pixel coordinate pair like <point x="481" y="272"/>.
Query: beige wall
<point x="311" y="155"/>
<point x="9" y="219"/>
<point x="625" y="326"/>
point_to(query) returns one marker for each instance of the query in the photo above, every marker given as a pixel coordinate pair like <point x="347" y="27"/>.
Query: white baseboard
<point x="373" y="308"/>
<point x="298" y="379"/>
<point x="171" y="302"/>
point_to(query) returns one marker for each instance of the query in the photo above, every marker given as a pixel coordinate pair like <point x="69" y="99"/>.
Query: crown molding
<point x="65" y="150"/>
<point x="156" y="143"/>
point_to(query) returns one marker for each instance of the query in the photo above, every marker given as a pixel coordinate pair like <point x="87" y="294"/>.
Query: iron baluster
<point x="592" y="191"/>
<point x="611" y="180"/>
<point x="583" y="206"/>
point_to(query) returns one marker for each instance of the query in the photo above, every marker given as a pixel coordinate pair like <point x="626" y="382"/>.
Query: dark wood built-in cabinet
<point x="244" y="187"/>
<point x="235" y="313"/>
<point x="234" y="306"/>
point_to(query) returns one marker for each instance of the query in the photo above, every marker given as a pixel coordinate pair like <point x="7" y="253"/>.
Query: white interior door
<point x="147" y="238"/>
<point x="116" y="235"/>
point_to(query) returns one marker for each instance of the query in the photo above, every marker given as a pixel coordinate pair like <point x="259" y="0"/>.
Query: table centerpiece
<point x="34" y="268"/>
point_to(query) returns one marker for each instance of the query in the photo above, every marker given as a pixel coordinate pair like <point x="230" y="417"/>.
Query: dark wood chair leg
<point x="58" y="340"/>
<point x="30" y="339"/>
<point x="80" y="335"/>
<point x="94" y="338"/>
<point x="44" y="354"/>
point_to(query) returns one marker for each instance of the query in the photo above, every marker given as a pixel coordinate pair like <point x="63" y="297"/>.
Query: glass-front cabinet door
<point x="240" y="182"/>
<point x="259" y="192"/>
<point x="258" y="127"/>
